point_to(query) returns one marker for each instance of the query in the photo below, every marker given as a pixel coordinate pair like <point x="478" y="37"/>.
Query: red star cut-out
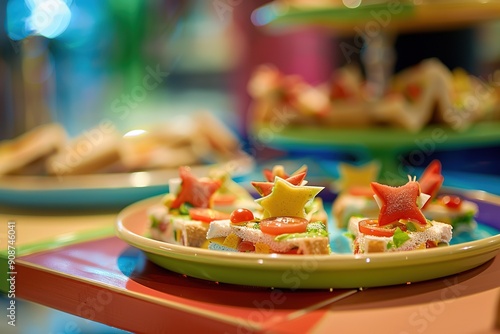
<point x="279" y="170"/>
<point x="398" y="203"/>
<point x="196" y="192"/>
<point x="265" y="188"/>
<point x="431" y="180"/>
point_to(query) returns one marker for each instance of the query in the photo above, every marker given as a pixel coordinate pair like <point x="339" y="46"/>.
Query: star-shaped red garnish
<point x="279" y="170"/>
<point x="265" y="188"/>
<point x="398" y="203"/>
<point x="196" y="192"/>
<point x="431" y="180"/>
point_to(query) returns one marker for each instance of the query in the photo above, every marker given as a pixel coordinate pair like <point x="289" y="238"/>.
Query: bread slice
<point x="30" y="147"/>
<point x="222" y="235"/>
<point x="93" y="151"/>
<point x="438" y="234"/>
<point x="176" y="229"/>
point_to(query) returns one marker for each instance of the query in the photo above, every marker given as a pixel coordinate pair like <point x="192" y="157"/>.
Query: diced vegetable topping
<point x="246" y="246"/>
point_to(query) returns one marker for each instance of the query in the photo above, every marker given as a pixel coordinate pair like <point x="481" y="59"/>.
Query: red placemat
<point x="107" y="280"/>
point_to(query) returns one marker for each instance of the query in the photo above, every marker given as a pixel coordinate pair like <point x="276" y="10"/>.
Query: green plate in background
<point x="393" y="147"/>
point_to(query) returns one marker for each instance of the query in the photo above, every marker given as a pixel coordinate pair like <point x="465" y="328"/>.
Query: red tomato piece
<point x="207" y="215"/>
<point x="451" y="201"/>
<point x="430" y="244"/>
<point x="224" y="199"/>
<point x="371" y="227"/>
<point x="282" y="225"/>
<point x="246" y="246"/>
<point x="239" y="216"/>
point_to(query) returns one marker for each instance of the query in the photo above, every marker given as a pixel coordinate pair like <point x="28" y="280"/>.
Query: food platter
<point x="388" y="145"/>
<point x="353" y="16"/>
<point x="98" y="191"/>
<point x="339" y="270"/>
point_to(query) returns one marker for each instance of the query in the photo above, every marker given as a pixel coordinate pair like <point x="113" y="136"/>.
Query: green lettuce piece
<point x="465" y="219"/>
<point x="315" y="229"/>
<point x="184" y="208"/>
<point x="400" y="237"/>
<point x="349" y="235"/>
<point x="256" y="226"/>
<point x="155" y="222"/>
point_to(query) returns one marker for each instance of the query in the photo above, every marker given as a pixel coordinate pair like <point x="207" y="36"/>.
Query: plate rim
<point x="101" y="181"/>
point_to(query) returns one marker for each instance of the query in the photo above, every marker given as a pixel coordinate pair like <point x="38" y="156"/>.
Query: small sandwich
<point x="184" y="215"/>
<point x="93" y="151"/>
<point x="355" y="196"/>
<point x="401" y="225"/>
<point x="27" y="153"/>
<point x="285" y="226"/>
<point x="446" y="208"/>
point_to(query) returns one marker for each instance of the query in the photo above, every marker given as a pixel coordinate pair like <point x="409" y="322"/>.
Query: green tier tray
<point x="393" y="147"/>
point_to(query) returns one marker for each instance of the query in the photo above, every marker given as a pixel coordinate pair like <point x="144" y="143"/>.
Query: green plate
<point x="368" y="17"/>
<point x="312" y="271"/>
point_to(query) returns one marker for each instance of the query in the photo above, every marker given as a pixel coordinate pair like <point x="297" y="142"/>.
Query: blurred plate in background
<point x="98" y="191"/>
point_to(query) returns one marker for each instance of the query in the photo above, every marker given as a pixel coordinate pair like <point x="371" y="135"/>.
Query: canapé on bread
<point x="35" y="145"/>
<point x="401" y="225"/>
<point x="447" y="208"/>
<point x="185" y="212"/>
<point x="222" y="235"/>
<point x="291" y="219"/>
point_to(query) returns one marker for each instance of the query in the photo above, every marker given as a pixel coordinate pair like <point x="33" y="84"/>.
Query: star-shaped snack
<point x="357" y="176"/>
<point x="431" y="180"/>
<point x="196" y="192"/>
<point x="287" y="199"/>
<point x="398" y="203"/>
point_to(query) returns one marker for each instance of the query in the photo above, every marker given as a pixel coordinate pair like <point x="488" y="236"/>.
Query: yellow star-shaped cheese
<point x="357" y="176"/>
<point x="287" y="199"/>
